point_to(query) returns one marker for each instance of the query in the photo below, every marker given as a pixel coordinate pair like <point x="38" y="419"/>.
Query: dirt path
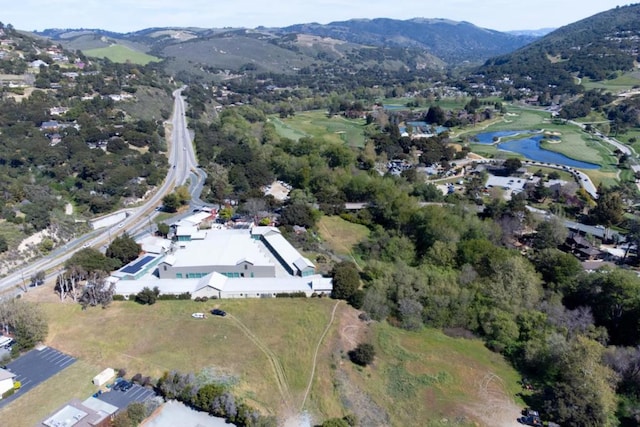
<point x="315" y="355"/>
<point x="494" y="406"/>
<point x="281" y="379"/>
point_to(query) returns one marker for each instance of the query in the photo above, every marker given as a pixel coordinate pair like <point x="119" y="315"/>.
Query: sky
<point x="133" y="15"/>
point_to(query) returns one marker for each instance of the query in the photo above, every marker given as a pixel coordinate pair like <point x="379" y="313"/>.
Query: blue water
<point x="530" y="148"/>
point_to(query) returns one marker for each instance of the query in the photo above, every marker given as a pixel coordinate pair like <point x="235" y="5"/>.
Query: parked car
<point x="126" y="385"/>
<point x="218" y="312"/>
<point x="198" y="316"/>
<point x="530" y="421"/>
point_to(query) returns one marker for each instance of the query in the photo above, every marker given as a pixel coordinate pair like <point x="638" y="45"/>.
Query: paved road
<point x="181" y="155"/>
<point x="35" y="367"/>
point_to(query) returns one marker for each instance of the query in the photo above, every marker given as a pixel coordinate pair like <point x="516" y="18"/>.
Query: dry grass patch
<point x="162" y="337"/>
<point x="341" y="235"/>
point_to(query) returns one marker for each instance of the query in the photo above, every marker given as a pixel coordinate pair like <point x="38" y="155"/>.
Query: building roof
<point x="226" y="247"/>
<point x="74" y="414"/>
<point x="214" y="280"/>
<point x="263" y="230"/>
<point x="5" y="375"/>
<point x="287" y="252"/>
<point x="258" y="285"/>
<point x="100" y="406"/>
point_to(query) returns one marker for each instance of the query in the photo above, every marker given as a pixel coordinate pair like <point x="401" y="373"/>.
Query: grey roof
<point x="287" y="252"/>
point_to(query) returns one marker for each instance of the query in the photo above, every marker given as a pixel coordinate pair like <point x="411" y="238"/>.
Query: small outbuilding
<point x="103" y="377"/>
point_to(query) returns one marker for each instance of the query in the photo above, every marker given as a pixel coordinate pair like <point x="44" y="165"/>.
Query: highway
<point x="182" y="161"/>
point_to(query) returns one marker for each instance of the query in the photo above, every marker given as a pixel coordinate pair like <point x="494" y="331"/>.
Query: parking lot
<point x="122" y="399"/>
<point x="35" y="367"/>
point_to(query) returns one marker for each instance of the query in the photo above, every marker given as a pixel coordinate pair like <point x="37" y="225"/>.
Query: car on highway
<point x="85" y="246"/>
<point x="121" y="225"/>
<point x="218" y="312"/>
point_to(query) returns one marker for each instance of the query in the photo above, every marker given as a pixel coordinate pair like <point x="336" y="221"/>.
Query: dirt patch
<point x="494" y="406"/>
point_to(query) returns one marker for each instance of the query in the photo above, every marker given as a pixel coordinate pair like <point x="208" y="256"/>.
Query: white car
<point x="121" y="225"/>
<point x="198" y="316"/>
<point x="85" y="246"/>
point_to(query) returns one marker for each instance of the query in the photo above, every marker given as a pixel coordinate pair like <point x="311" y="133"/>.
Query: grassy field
<point x="119" y="53"/>
<point x="428" y="376"/>
<point x="341" y="236"/>
<point x="622" y="83"/>
<point x="317" y="124"/>
<point x="268" y="345"/>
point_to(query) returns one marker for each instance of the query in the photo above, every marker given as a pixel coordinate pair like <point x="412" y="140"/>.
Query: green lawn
<point x="119" y="53"/>
<point x="317" y="124"/>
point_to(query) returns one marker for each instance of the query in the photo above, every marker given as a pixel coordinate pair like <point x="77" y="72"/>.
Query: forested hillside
<point x="597" y="48"/>
<point x="67" y="136"/>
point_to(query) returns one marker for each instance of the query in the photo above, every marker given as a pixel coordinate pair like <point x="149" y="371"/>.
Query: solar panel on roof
<point x="139" y="265"/>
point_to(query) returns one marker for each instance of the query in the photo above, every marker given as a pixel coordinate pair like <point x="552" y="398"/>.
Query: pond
<point x="529" y="147"/>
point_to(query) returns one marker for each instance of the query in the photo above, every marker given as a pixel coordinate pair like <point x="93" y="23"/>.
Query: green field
<point x="268" y="346"/>
<point x="316" y="124"/>
<point x="119" y="53"/>
<point x="622" y="83"/>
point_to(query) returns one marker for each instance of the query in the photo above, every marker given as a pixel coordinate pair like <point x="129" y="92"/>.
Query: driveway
<point x="35" y="367"/>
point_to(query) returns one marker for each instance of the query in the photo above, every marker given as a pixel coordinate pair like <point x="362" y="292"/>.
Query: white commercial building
<point x="223" y="263"/>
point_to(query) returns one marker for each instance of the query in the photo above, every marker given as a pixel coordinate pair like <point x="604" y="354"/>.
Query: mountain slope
<point x="454" y="42"/>
<point x="596" y="47"/>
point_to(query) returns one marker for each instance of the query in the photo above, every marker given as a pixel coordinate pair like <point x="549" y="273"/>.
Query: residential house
<point x="51" y="125"/>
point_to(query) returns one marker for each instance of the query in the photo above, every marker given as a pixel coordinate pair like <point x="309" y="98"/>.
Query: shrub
<point x="8" y="393"/>
<point x="363" y="354"/>
<point x="291" y="295"/>
<point x="118" y="297"/>
<point x="122" y="372"/>
<point x="137" y="378"/>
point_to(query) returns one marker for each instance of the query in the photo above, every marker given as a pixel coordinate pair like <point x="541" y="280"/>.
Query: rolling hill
<point x="386" y="43"/>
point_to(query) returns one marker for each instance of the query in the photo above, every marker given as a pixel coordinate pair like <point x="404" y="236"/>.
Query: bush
<point x="8" y="393"/>
<point x="137" y="378"/>
<point x="122" y="372"/>
<point x="363" y="354"/>
<point x="291" y="295"/>
<point x="172" y="297"/>
<point x="119" y="298"/>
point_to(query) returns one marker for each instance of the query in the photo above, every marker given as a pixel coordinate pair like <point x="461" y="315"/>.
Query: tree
<point x="91" y="260"/>
<point x="97" y="291"/>
<point x="511" y="165"/>
<point x="38" y="278"/>
<point x="124" y="249"/>
<point x="584" y="394"/>
<point x="25" y="320"/>
<point x="147" y="295"/>
<point x="163" y="229"/>
<point x="346" y="280"/>
<point x="171" y="203"/>
<point x="550" y="234"/>
<point x="609" y="208"/>
<point x="298" y="214"/>
<point x="363" y="354"/>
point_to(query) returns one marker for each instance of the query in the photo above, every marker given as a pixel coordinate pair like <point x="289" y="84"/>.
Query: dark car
<point x="218" y="312"/>
<point x="126" y="385"/>
<point x="530" y="421"/>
